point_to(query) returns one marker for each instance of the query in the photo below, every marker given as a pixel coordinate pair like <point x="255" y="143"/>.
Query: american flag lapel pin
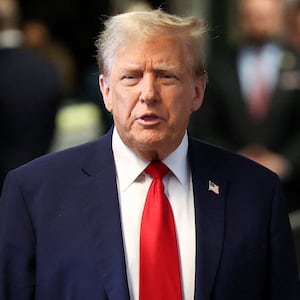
<point x="213" y="187"/>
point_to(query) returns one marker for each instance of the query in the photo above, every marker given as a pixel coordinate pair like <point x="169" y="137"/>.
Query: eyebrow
<point x="159" y="68"/>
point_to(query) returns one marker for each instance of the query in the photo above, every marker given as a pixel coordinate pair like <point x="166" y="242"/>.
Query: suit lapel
<point x="210" y="218"/>
<point x="102" y="215"/>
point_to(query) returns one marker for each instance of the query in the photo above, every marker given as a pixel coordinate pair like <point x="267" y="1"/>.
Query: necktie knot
<point x="157" y="169"/>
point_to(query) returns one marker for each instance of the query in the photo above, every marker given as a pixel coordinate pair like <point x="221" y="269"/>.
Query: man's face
<point x="260" y="20"/>
<point x="151" y="93"/>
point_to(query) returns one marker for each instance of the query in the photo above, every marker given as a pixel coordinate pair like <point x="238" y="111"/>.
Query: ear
<point x="106" y="92"/>
<point x="200" y="85"/>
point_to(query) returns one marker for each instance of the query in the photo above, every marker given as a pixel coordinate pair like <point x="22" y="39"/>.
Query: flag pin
<point x="213" y="187"/>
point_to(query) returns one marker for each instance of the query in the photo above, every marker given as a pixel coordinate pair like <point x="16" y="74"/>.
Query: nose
<point x="149" y="89"/>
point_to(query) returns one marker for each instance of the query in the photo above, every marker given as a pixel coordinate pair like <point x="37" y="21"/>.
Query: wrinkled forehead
<point x="164" y="47"/>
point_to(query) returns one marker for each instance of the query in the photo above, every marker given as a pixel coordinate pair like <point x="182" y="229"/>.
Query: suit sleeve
<point x="17" y="244"/>
<point x="283" y="274"/>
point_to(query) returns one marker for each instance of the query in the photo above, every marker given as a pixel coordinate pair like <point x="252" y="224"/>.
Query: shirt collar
<point x="177" y="162"/>
<point x="129" y="166"/>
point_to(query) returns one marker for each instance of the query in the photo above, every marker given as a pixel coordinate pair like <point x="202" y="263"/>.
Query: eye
<point x="165" y="74"/>
<point x="167" y="77"/>
<point x="130" y="79"/>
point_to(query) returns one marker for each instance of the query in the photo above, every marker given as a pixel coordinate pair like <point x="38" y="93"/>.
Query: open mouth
<point x="149" y="119"/>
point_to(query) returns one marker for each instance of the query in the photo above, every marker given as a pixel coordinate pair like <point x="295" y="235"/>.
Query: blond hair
<point x="139" y="24"/>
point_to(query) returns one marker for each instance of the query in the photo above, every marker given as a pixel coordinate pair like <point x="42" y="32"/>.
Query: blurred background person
<point x="251" y="105"/>
<point x="137" y="6"/>
<point x="37" y="36"/>
<point x="292" y="28"/>
<point x="30" y="94"/>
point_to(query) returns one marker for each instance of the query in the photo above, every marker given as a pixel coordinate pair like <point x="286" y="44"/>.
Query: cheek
<point x="179" y="114"/>
<point x="183" y="102"/>
<point x="123" y="105"/>
<point x="182" y="108"/>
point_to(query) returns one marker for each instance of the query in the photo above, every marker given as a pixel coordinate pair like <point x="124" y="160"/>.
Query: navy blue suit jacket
<point x="61" y="238"/>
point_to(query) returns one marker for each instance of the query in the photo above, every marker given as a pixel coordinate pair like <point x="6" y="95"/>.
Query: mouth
<point x="149" y="119"/>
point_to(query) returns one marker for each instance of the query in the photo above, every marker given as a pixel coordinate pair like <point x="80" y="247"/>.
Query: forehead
<point x="259" y="7"/>
<point x="162" y="49"/>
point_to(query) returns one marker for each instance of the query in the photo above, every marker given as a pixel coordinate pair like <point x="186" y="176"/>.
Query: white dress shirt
<point x="133" y="185"/>
<point x="270" y="57"/>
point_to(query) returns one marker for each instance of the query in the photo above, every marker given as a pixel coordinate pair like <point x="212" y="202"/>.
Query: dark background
<point x="75" y="23"/>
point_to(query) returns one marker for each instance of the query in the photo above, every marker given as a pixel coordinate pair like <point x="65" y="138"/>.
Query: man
<point x="74" y="224"/>
<point x="30" y="94"/>
<point x="292" y="25"/>
<point x="252" y="101"/>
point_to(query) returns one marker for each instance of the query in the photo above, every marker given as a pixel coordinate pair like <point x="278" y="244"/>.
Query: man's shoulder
<point x="227" y="162"/>
<point x="67" y="162"/>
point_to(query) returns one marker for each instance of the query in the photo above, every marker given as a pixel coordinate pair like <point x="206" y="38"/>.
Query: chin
<point x="150" y="142"/>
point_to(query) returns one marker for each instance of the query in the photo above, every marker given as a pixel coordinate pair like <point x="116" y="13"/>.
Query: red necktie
<point x="159" y="261"/>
